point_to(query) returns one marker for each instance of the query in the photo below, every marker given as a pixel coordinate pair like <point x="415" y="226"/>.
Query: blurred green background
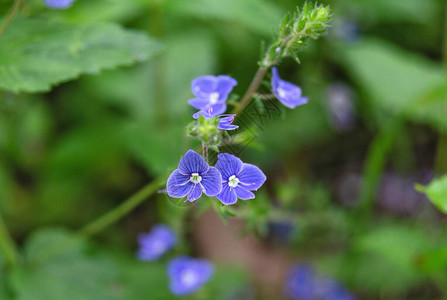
<point x="76" y="139"/>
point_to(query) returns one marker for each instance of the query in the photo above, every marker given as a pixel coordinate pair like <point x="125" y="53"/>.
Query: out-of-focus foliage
<point x="437" y="192"/>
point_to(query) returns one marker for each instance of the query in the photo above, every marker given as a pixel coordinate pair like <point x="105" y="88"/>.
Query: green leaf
<point x="70" y="276"/>
<point x="400" y="82"/>
<point x="258" y="15"/>
<point x="37" y="54"/>
<point x="436" y="192"/>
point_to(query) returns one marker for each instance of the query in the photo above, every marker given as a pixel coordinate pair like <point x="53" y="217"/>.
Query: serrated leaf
<point x="38" y="54"/>
<point x="436" y="192"/>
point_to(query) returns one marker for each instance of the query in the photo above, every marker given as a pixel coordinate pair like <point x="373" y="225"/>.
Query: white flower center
<point x="214" y="97"/>
<point x="188" y="278"/>
<point x="233" y="181"/>
<point x="195" y="178"/>
<point x="282" y="93"/>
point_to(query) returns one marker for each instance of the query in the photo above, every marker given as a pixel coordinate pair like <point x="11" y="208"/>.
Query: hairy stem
<point x="205" y="151"/>
<point x="254" y="85"/>
<point x="10" y="16"/>
<point x="102" y="222"/>
<point x="7" y="246"/>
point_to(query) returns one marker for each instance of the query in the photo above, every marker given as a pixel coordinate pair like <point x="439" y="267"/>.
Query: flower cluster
<point x="58" y="4"/>
<point x="186" y="274"/>
<point x="303" y="284"/>
<point x="229" y="180"/>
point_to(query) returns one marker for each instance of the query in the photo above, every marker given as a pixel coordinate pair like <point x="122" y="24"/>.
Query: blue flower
<point x="193" y="177"/>
<point x="58" y="4"/>
<point x="301" y="283"/>
<point x="187" y="274"/>
<point x="157" y="242"/>
<point x="286" y="92"/>
<point x="225" y="120"/>
<point x="211" y="93"/>
<point x="238" y="179"/>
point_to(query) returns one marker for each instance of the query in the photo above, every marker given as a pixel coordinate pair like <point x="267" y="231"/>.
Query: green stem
<point x="103" y="222"/>
<point x="10" y="16"/>
<point x="375" y="163"/>
<point x="205" y="151"/>
<point x="254" y="85"/>
<point x="7" y="245"/>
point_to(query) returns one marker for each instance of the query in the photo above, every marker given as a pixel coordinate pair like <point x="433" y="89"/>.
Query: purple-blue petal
<point x="187" y="275"/>
<point x="301" y="283"/>
<point x="251" y="177"/>
<point x="228" y="165"/>
<point x="225" y="123"/>
<point x="58" y="4"/>
<point x="195" y="193"/>
<point x="243" y="194"/>
<point x="212" y="182"/>
<point x="203" y="86"/>
<point x="275" y="78"/>
<point x="192" y="162"/>
<point x="199" y="103"/>
<point x="178" y="184"/>
<point x="228" y="195"/>
<point x="157" y="242"/>
<point x="212" y="111"/>
<point x="287" y="93"/>
<point x="225" y="85"/>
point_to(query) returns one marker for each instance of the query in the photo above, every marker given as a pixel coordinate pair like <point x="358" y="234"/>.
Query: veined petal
<point x="227" y="196"/>
<point x="275" y="78"/>
<point x="199" y="103"/>
<point x="178" y="184"/>
<point x="211" y="111"/>
<point x="212" y="182"/>
<point x="225" y="123"/>
<point x="243" y="194"/>
<point x="192" y="162"/>
<point x="286" y="92"/>
<point x="195" y="193"/>
<point x="251" y="177"/>
<point x="225" y="85"/>
<point x="228" y="165"/>
<point x="203" y="86"/>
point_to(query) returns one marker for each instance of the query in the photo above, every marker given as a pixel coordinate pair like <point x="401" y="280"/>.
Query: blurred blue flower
<point x="156" y="243"/>
<point x="282" y="231"/>
<point x="301" y="283"/>
<point x="344" y="30"/>
<point x="340" y="106"/>
<point x="187" y="274"/>
<point x="58" y="4"/>
<point x="238" y="179"/>
<point x="225" y="120"/>
<point x="193" y="177"/>
<point x="286" y="92"/>
<point x="211" y="93"/>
